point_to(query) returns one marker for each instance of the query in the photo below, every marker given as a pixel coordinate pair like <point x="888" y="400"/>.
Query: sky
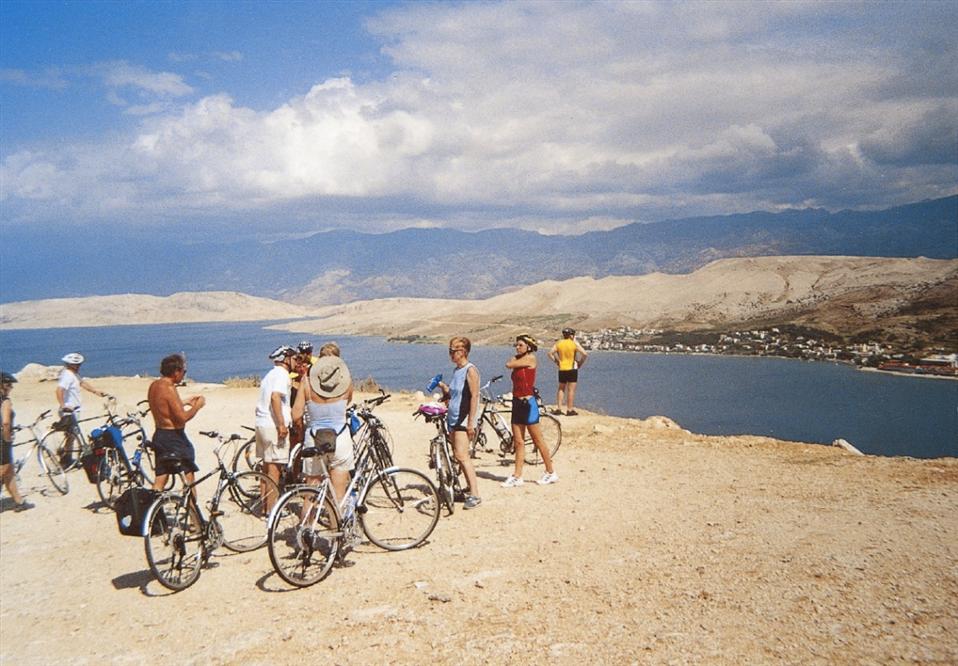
<point x="280" y="118"/>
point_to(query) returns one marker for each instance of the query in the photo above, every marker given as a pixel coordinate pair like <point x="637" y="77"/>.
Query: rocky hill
<point x="913" y="300"/>
<point x="144" y="309"/>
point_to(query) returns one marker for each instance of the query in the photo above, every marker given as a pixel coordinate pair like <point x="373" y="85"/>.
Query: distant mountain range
<point x="343" y="266"/>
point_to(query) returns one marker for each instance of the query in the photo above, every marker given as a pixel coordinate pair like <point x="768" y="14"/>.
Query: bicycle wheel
<point x="52" y="469"/>
<point x="245" y="459"/>
<point x="65" y="446"/>
<point x="444" y="474"/>
<point x="174" y="542"/>
<point x="400" y="510"/>
<point x="244" y="511"/>
<point x="112" y="476"/>
<point x="304" y="535"/>
<point x="551" y="435"/>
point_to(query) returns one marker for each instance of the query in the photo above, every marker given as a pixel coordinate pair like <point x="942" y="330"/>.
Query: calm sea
<point x="795" y="400"/>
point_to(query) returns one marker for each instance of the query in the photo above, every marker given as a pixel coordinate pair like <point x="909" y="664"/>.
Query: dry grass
<point x="250" y="381"/>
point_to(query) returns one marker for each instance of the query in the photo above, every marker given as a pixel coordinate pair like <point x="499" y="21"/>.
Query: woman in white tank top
<point x="325" y="398"/>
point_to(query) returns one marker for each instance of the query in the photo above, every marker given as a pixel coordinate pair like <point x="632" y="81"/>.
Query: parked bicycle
<point x="491" y="416"/>
<point x="47" y="462"/>
<point x="117" y="470"/>
<point x="309" y="528"/>
<point x="66" y="438"/>
<point x="441" y="457"/>
<point x="363" y="424"/>
<point x="180" y="539"/>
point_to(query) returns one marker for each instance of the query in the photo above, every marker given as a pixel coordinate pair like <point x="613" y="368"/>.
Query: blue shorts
<point x="173" y="452"/>
<point x="525" y="411"/>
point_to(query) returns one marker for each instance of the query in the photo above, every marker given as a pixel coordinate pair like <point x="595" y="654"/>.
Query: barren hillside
<point x="144" y="309"/>
<point x="844" y="295"/>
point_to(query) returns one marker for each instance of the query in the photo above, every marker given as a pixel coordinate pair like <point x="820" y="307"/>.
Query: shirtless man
<point x="170" y="414"/>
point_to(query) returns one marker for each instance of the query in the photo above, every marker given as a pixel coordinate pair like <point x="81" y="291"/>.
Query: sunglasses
<point x="453" y="350"/>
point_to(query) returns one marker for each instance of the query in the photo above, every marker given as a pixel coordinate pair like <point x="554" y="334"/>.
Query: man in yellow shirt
<point x="569" y="356"/>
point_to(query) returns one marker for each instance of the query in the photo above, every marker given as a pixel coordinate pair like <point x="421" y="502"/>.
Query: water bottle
<point x="136" y="457"/>
<point x="350" y="506"/>
<point x="433" y="383"/>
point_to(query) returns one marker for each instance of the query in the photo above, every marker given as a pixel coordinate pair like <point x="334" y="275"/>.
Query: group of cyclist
<point x="304" y="395"/>
<point x="462" y="397"/>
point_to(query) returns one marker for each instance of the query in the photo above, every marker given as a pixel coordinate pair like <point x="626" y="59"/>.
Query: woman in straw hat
<point x="323" y="399"/>
<point x="525" y="411"/>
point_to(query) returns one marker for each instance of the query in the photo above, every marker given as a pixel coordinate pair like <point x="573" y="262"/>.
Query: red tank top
<point x="523" y="381"/>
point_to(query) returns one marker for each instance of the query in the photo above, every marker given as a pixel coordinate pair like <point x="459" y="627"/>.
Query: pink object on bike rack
<point x="432" y="409"/>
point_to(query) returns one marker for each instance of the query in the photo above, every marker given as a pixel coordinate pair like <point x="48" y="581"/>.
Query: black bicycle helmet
<point x="568" y="332"/>
<point x="7" y="378"/>
<point x="305" y="347"/>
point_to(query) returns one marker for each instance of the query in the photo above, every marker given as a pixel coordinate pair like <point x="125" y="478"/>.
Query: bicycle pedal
<point x="215" y="514"/>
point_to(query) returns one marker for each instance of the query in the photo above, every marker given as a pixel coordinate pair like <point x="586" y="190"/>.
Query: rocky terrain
<point x="914" y="300"/>
<point x="657" y="546"/>
<point x="908" y="302"/>
<point x="145" y="309"/>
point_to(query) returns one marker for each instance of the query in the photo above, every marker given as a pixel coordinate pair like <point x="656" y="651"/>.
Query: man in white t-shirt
<point x="70" y="383"/>
<point x="273" y="416"/>
<point x="68" y="395"/>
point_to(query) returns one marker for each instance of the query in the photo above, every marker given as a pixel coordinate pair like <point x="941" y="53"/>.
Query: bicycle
<point x="116" y="470"/>
<point x="46" y="459"/>
<point x="179" y="539"/>
<point x="396" y="508"/>
<point x="66" y="437"/>
<point x="491" y="414"/>
<point x="362" y="424"/>
<point x="441" y="457"/>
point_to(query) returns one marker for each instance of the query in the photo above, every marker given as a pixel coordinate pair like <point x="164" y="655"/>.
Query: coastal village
<point x="786" y="342"/>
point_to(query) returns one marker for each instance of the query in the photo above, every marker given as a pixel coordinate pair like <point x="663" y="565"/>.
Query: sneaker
<point x="472" y="502"/>
<point x="556" y="412"/>
<point x="23" y="506"/>
<point x="572" y="412"/>
<point x="512" y="482"/>
<point x="547" y="478"/>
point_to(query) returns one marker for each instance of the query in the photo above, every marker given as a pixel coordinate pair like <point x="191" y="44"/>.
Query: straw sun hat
<point x="329" y="377"/>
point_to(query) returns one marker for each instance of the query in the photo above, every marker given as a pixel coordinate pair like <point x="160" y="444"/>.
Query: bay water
<point x="722" y="395"/>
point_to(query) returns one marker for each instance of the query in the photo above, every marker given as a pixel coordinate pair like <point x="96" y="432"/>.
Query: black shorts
<point x="6" y="454"/>
<point x="569" y="376"/>
<point x="174" y="452"/>
<point x="525" y="411"/>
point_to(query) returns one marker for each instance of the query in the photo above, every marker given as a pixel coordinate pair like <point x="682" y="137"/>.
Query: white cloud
<point x="51" y="79"/>
<point x="228" y="56"/>
<point x="585" y="114"/>
<point x="124" y="75"/>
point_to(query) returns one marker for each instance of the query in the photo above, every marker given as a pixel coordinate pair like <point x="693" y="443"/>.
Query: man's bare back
<point x="169" y="411"/>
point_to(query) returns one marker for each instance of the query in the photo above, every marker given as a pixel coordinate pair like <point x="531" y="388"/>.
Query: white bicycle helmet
<point x="282" y="352"/>
<point x="73" y="359"/>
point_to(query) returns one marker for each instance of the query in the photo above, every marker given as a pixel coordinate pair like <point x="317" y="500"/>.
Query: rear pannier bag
<point x="131" y="508"/>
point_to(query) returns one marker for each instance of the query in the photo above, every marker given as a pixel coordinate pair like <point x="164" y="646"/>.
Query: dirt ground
<point x="656" y="546"/>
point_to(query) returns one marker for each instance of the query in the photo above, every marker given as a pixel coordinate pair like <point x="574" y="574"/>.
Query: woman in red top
<point x="525" y="411"/>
